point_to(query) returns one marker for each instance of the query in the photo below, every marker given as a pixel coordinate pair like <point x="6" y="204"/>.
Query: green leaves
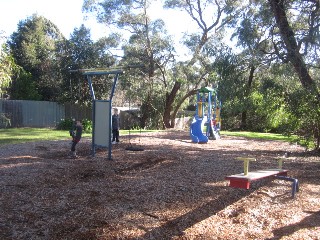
<point x="34" y="48"/>
<point x="7" y="66"/>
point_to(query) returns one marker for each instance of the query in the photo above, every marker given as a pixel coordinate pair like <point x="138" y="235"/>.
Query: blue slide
<point x="196" y="133"/>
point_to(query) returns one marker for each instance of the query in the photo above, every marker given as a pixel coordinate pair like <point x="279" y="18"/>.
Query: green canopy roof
<point x="206" y="90"/>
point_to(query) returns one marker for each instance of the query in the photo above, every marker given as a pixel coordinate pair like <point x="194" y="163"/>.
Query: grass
<point x="263" y="136"/>
<point x="21" y="135"/>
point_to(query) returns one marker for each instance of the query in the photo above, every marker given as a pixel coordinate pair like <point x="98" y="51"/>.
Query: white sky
<point x="67" y="15"/>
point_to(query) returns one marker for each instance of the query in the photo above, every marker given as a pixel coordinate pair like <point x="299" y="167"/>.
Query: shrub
<point x="87" y="125"/>
<point x="65" y="124"/>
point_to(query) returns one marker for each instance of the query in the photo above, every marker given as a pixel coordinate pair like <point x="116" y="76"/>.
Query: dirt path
<point x="174" y="189"/>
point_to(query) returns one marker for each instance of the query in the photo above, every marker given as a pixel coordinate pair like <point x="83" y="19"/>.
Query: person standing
<point x="76" y="133"/>
<point x="115" y="126"/>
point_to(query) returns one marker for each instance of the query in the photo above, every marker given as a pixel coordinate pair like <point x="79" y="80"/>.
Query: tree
<point x="255" y="45"/>
<point x="309" y="37"/>
<point x="7" y="66"/>
<point x="295" y="39"/>
<point x="292" y="40"/>
<point x="209" y="15"/>
<point x="33" y="47"/>
<point x="148" y="46"/>
<point x="202" y="13"/>
<point x="81" y="52"/>
<point x="23" y="87"/>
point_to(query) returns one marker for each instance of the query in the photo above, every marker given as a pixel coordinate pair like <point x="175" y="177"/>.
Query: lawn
<point x="257" y="135"/>
<point x="20" y="135"/>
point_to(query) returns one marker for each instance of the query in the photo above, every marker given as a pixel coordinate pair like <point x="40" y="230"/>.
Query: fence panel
<point x="41" y="114"/>
<point x="25" y="113"/>
<point x="77" y="111"/>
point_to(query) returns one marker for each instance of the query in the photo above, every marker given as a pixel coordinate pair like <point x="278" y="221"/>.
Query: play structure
<point x="102" y="109"/>
<point x="101" y="112"/>
<point x="206" y="122"/>
<point x="243" y="180"/>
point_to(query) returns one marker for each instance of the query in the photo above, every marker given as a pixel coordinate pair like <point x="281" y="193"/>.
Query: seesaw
<point x="243" y="180"/>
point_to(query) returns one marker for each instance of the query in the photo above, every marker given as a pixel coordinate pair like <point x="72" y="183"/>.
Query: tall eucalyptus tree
<point x="148" y="45"/>
<point x="210" y="16"/>
<point x="291" y="37"/>
<point x="297" y="26"/>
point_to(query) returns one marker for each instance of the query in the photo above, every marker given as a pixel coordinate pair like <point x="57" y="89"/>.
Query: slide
<point x="196" y="133"/>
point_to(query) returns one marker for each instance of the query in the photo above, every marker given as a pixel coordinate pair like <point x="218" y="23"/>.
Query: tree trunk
<point x="174" y="114"/>
<point x="168" y="105"/>
<point x="291" y="45"/>
<point x="243" y="124"/>
<point x="294" y="56"/>
<point x="145" y="112"/>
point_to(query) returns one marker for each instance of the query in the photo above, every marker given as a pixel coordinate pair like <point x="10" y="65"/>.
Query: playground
<point x="174" y="189"/>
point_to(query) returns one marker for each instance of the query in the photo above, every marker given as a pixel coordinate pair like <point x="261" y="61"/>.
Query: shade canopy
<point x="206" y="90"/>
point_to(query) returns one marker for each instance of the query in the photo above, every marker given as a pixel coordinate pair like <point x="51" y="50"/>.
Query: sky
<point x="67" y="15"/>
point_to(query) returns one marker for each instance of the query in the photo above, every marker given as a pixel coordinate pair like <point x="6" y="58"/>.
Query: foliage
<point x="23" y="86"/>
<point x="191" y="108"/>
<point x="87" y="125"/>
<point x="81" y="52"/>
<point x="306" y="111"/>
<point x="65" y="124"/>
<point x="260" y="84"/>
<point x="229" y="77"/>
<point x="7" y="65"/>
<point x="33" y="47"/>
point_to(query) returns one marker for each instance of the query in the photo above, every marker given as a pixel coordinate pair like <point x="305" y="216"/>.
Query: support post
<point x="295" y="183"/>
<point x="280" y="161"/>
<point x="246" y="164"/>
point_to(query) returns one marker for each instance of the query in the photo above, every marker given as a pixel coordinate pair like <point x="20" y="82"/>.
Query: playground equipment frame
<point x="96" y="141"/>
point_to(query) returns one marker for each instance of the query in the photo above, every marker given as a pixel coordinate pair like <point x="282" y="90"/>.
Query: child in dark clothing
<point x="76" y="133"/>
<point x="115" y="126"/>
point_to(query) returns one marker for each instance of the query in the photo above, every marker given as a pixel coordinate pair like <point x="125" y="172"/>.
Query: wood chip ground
<point x="174" y="189"/>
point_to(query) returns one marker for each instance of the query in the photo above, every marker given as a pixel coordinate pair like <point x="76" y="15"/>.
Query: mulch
<point x="173" y="189"/>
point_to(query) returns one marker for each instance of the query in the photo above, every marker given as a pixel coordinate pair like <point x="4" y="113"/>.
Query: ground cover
<point x="174" y="189"/>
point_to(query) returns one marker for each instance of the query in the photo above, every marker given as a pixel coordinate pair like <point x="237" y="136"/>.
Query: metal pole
<point x="93" y="146"/>
<point x="91" y="88"/>
<point x="114" y="85"/>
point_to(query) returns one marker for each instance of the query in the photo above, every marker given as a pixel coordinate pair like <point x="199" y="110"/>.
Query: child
<point x="76" y="133"/>
<point x="115" y="126"/>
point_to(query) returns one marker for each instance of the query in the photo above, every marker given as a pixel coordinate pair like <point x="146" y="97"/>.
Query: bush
<point x="65" y="124"/>
<point x="87" y="125"/>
